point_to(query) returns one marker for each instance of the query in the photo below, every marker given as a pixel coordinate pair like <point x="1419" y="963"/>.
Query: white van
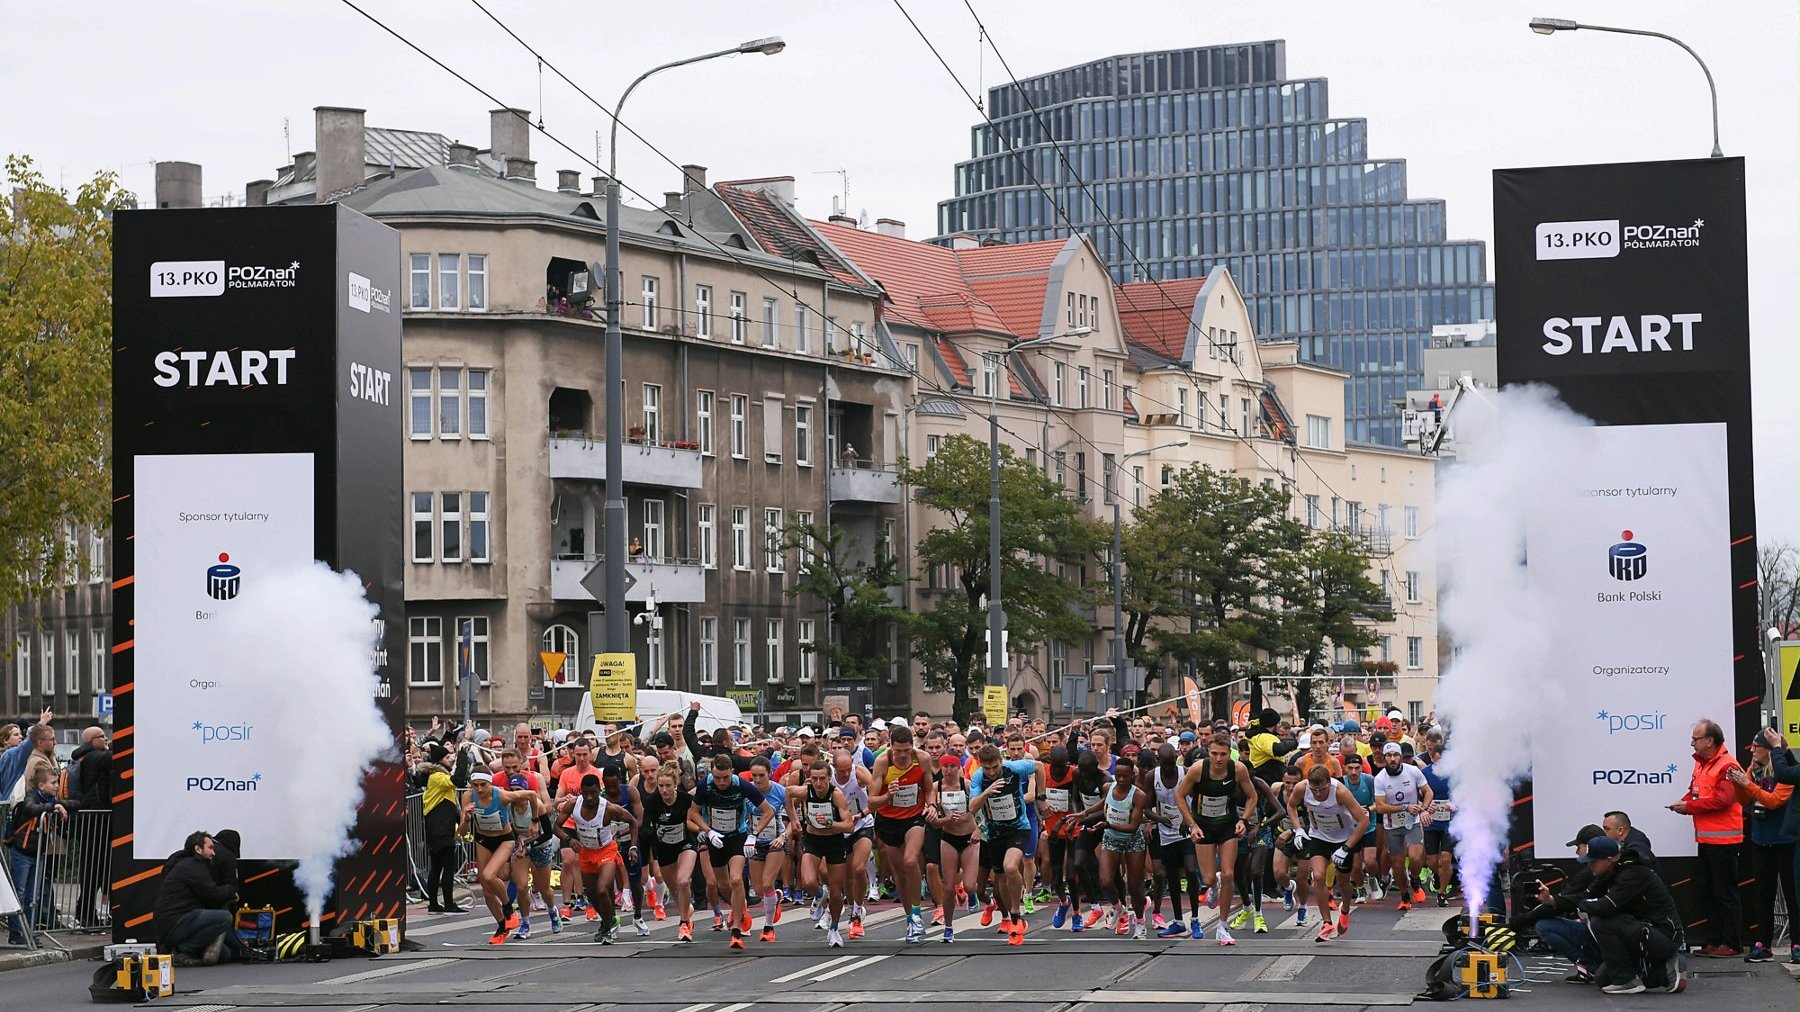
<point x="715" y="711"/>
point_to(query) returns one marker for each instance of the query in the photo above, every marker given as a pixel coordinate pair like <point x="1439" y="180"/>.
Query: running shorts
<point x="832" y="848"/>
<point x="993" y="849"/>
<point x="1400" y="839"/>
<point x="892" y="832"/>
<point x="1036" y="831"/>
<point x="667" y="854"/>
<point x="958" y="842"/>
<point x="592" y="860"/>
<point x="861" y="833"/>
<point x="1120" y="842"/>
<point x="1175" y="853"/>
<point x="494" y="843"/>
<point x="932" y="839"/>
<point x="541" y="854"/>
<point x="763" y="847"/>
<point x="733" y="847"/>
<point x="1316" y="847"/>
<point x="1437" y="841"/>
<point x="1213" y="834"/>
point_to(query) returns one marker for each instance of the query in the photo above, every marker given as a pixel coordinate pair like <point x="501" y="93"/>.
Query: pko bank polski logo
<point x="1601" y="238"/>
<point x="179" y="279"/>
<point x="1617" y="723"/>
<point x="225" y="785"/>
<point x="1634" y="777"/>
<point x="1628" y="560"/>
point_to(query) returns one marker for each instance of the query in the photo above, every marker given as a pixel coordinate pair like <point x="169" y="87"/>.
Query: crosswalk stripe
<point x="867" y="961"/>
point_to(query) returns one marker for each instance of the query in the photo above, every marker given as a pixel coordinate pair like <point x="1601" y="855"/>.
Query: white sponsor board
<point x="206" y="752"/>
<point x="1628" y="547"/>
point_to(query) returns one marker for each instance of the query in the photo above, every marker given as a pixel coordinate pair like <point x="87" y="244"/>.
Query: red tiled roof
<point x="779" y="230"/>
<point x="1156" y="315"/>
<point x="953" y="363"/>
<point x="923" y="282"/>
<point x="1013" y="278"/>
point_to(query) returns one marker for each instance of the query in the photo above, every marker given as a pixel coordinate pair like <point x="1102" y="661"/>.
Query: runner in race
<point x="903" y="792"/>
<point x="1365" y="867"/>
<point x="576" y="766"/>
<point x="673" y="843"/>
<point x="1216" y="799"/>
<point x="1401" y="796"/>
<point x="535" y="849"/>
<point x="1122" y="843"/>
<point x="723" y="804"/>
<point x="1440" y="848"/>
<point x="826" y="819"/>
<point x="1176" y="861"/>
<point x="1003" y="791"/>
<point x="954" y="827"/>
<point x="486" y="816"/>
<point x="768" y="862"/>
<point x="1059" y="811"/>
<point x="1091" y="782"/>
<point x="591" y="819"/>
<point x="1017" y="751"/>
<point x="625" y="833"/>
<point x="850" y="778"/>
<point x="1336" y="824"/>
<point x="1256" y="854"/>
<point x="933" y="744"/>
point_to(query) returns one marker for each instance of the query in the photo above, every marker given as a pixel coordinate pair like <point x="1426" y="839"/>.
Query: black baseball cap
<point x="1585" y="834"/>
<point x="1602" y="846"/>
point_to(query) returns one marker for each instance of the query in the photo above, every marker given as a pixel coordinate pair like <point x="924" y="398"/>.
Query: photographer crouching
<point x="1633" y="921"/>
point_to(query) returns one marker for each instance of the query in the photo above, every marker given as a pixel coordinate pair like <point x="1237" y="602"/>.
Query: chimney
<point x="599" y="185"/>
<point x="303" y="165"/>
<point x="672" y="201"/>
<point x="462" y="156"/>
<point x="256" y="192"/>
<point x="523" y="170"/>
<point x="891" y="226"/>
<point x="510" y="131"/>
<point x="842" y="219"/>
<point x="338" y="133"/>
<point x="177" y="184"/>
<point x="779" y="187"/>
<point x="963" y="240"/>
<point x="693" y="177"/>
<point x="568" y="181"/>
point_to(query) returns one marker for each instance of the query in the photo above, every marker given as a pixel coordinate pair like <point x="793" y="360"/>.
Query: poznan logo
<point x="1627" y="722"/>
<point x="1684" y="234"/>
<point x="1628" y="560"/>
<point x="364" y="295"/>
<point x="227" y="785"/>
<point x="1633" y="777"/>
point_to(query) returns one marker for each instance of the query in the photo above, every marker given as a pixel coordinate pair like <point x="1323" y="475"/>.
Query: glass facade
<point x="1213" y="157"/>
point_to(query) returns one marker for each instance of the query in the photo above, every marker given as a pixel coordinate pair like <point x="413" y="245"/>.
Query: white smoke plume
<point x="1498" y="683"/>
<point x="304" y="636"/>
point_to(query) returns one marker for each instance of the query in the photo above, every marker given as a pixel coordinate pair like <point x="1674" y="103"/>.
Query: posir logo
<point x="1578" y="240"/>
<point x="1627" y="722"/>
<point x="210" y="733"/>
<point x="364" y="294"/>
<point x="1627" y="560"/>
<point x="228" y="785"/>
<point x="1630" y="778"/>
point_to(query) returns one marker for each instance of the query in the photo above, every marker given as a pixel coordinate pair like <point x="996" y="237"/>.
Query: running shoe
<point x="1225" y="937"/>
<point x="718" y="921"/>
<point x="1759" y="953"/>
<point x="1028" y="904"/>
<point x="1287" y="897"/>
<point x="1427" y="880"/>
<point x="1093" y="917"/>
<point x="662" y="914"/>
<point x="823" y="922"/>
<point x="856" y="927"/>
<point x="524" y="929"/>
<point x="746" y="925"/>
<point x="937" y="918"/>
<point x="1376" y="893"/>
<point x="1106" y="919"/>
<point x="1017" y="936"/>
<point x="914" y="933"/>
<point x="1444" y="898"/>
<point x="1212" y="897"/>
<point x="556" y="921"/>
<point x="1157" y="922"/>
<point x="612" y="934"/>
<point x="1196" y="930"/>
<point x="1326" y="933"/>
<point x="1175" y="930"/>
<point x="1239" y="919"/>
<point x="684" y="933"/>
<point x="512" y="919"/>
<point x="1418" y="895"/>
<point x="1122" y="926"/>
<point x="1632" y="986"/>
<point x="962" y="894"/>
<point x="498" y="938"/>
<point x="737" y="939"/>
<point x="818" y="910"/>
<point x="1077" y="924"/>
<point x="1259" y="926"/>
<point x="987" y="912"/>
<point x="1061" y="916"/>
<point x="1138" y="934"/>
<point x="643" y="929"/>
<point x="591" y="913"/>
<point x="1005" y="924"/>
<point x="768" y="934"/>
<point x="603" y="936"/>
<point x="834" y="940"/>
<point x="949" y="934"/>
<point x="568" y="912"/>
<point x="625" y="902"/>
<point x="1300" y="917"/>
<point x="1343" y="922"/>
<point x="775" y="915"/>
<point x="874" y="892"/>
<point x="1403" y="906"/>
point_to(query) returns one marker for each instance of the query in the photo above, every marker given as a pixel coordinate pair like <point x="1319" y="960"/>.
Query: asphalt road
<point x="1381" y="964"/>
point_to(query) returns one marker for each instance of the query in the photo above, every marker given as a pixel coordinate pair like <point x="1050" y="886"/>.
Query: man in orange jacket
<point x="1719" y="830"/>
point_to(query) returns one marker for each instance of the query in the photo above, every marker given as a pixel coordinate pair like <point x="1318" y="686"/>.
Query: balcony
<point x="865" y="481"/>
<point x="673" y="581"/>
<point x="582" y="456"/>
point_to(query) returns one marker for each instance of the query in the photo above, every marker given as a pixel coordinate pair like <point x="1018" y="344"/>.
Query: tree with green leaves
<point x="1325" y="596"/>
<point x="857" y="581"/>
<point x="55" y="373"/>
<point x="1042" y="528"/>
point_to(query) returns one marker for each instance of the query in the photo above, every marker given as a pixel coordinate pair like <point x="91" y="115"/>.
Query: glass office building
<point x="1215" y="157"/>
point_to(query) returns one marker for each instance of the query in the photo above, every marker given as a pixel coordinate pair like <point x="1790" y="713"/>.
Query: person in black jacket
<point x="36" y="812"/>
<point x="192" y="921"/>
<point x="1555" y="917"/>
<point x="91" y="781"/>
<point x="441" y="785"/>
<point x="1633" y="919"/>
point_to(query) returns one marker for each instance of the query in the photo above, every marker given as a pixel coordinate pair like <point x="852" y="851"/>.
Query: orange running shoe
<point x="661" y="914"/>
<point x="1093" y="917"/>
<point x="1017" y="935"/>
<point x="737" y="940"/>
<point x="768" y="934"/>
<point x="1403" y="906"/>
<point x="987" y="914"/>
<point x="592" y="914"/>
<point x="513" y="921"/>
<point x="1343" y="924"/>
<point x="856" y="928"/>
<point x="685" y="933"/>
<point x="745" y="924"/>
<point x="1418" y="895"/>
<point x="775" y="917"/>
<point x="499" y="938"/>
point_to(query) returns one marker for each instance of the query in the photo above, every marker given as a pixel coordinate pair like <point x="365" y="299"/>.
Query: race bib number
<point x="1057" y="798"/>
<point x="588" y="837"/>
<point x="1402" y="820"/>
<point x="1440" y="811"/>
<point x="904" y="796"/>
<point x="954" y="802"/>
<point x="1327" y="822"/>
<point x="820" y="814"/>
<point x="620" y="830"/>
<point x="723" y="820"/>
<point x="1214" y="806"/>
<point x="1003" y="807"/>
<point x="674" y="832"/>
<point x="1168" y="814"/>
<point x="490" y="823"/>
<point x="1118" y="817"/>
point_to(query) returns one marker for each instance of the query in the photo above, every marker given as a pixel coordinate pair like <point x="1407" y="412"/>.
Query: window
<point x="805" y="643"/>
<point x="96" y="566"/>
<point x="97" y="651"/>
<point x="450" y="524"/>
<point x="1137" y="486"/>
<point x="425" y="650"/>
<point x="774" y="429"/>
<point x="477" y="283"/>
<point x="561" y="639"/>
<point x="1081" y="386"/>
<point x="1106" y="389"/>
<point x="772" y="552"/>
<point x="419" y="395"/>
<point x="48" y="671"/>
<point x="420" y="297"/>
<point x="1107" y="478"/>
<point x="1062" y="468"/>
<point x="72" y="655"/>
<point x="1244" y="408"/>
<point x="803" y="435"/>
<point x="1387" y="648"/>
<point x="449" y="403"/>
<point x="1181" y="415"/>
<point x="1412" y="586"/>
<point x="478" y="403"/>
<point x="479" y="548"/>
<point x="1312" y="512"/>
<point x="1071" y="312"/>
<point x="1334" y="512"/>
<point x="740" y="537"/>
<point x="653" y="547"/>
<point x="990" y="374"/>
<point x="22" y="665"/>
<point x="1059" y="663"/>
<point x="772" y="650"/>
<point x="449" y="265"/>
<point x="703" y="420"/>
<point x="771" y="322"/>
<point x="1409" y="520"/>
<point x="709" y="650"/>
<point x="649" y="302"/>
<point x="1415" y="649"/>
<point x="472" y="633"/>
<point x="1415" y="711"/>
<point x="1200" y="411"/>
<point x="739" y="435"/>
<point x="803" y="521"/>
<point x="802" y="330"/>
<point x="1381" y="519"/>
<point x="709" y="535"/>
<point x="703" y="310"/>
<point x="857" y="338"/>
<point x="912" y="358"/>
<point x="740" y="651"/>
<point x="1081" y="310"/>
<point x="931" y="446"/>
<point x="738" y="322"/>
<point x="1356" y="517"/>
<point x="1056" y="384"/>
<point x="1318" y="431"/>
<point x="834" y="338"/>
<point x="423" y="543"/>
<point x="652" y="414"/>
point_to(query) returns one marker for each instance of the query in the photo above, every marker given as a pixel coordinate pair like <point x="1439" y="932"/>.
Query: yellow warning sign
<point x="1790" y="693"/>
<point x="613" y="687"/>
<point x="993" y="705"/>
<point x="553" y="665"/>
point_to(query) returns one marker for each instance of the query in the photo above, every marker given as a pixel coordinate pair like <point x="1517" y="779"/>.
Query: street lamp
<point x="996" y="666"/>
<point x="1118" y="644"/>
<point x="1550" y="26"/>
<point x="613" y="561"/>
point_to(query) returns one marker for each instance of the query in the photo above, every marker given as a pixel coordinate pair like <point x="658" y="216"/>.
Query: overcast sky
<point x="1456" y="89"/>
